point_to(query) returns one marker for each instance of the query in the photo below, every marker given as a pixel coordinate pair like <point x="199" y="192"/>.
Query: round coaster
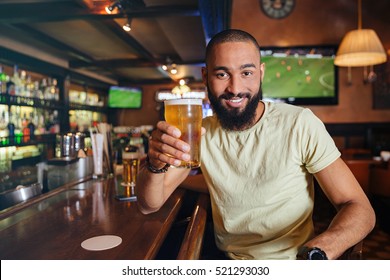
<point x="103" y="242"/>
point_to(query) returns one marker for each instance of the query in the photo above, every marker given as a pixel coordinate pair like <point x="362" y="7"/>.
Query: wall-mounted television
<point x="300" y="75"/>
<point x="125" y="97"/>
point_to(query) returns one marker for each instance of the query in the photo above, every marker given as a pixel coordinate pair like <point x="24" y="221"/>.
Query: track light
<point x="109" y="9"/>
<point x="173" y="70"/>
<point x="127" y="27"/>
<point x="169" y="66"/>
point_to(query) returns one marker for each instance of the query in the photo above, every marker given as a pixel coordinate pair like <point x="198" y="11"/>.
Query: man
<point x="258" y="160"/>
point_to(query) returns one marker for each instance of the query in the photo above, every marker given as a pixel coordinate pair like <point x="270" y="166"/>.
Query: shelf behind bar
<point x="22" y="140"/>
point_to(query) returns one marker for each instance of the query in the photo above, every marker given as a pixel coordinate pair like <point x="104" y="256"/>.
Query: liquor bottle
<point x="54" y="123"/>
<point x="29" y="87"/>
<point x="23" y="83"/>
<point x="55" y="90"/>
<point x="3" y="125"/>
<point x="25" y="130"/>
<point x="3" y="81"/>
<point x="10" y="87"/>
<point x="11" y="129"/>
<point x="18" y="124"/>
<point x="37" y="91"/>
<point x="17" y="81"/>
<point x="44" y="88"/>
<point x="49" y="94"/>
<point x="31" y="126"/>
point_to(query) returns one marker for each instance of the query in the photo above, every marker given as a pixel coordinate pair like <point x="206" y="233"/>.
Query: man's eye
<point x="222" y="75"/>
<point x="247" y="73"/>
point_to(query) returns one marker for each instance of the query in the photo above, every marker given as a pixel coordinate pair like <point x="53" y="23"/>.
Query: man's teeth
<point x="236" y="100"/>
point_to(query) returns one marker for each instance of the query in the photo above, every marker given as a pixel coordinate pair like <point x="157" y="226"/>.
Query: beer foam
<point x="130" y="155"/>
<point x="184" y="101"/>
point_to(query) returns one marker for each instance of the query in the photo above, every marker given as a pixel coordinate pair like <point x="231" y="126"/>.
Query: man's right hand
<point x="165" y="147"/>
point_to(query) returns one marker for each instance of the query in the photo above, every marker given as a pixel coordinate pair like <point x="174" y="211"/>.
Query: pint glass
<point x="186" y="115"/>
<point x="130" y="160"/>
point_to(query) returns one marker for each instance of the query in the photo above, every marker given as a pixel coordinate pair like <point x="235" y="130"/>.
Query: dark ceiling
<point x="81" y="37"/>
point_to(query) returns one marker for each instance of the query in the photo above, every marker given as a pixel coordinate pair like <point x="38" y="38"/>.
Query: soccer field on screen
<point x="298" y="77"/>
<point x="124" y="98"/>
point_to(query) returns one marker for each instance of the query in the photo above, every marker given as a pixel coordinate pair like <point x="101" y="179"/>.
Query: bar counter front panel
<point x="54" y="228"/>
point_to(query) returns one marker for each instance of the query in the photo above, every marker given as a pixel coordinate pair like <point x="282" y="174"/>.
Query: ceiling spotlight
<point x="126" y="27"/>
<point x="169" y="66"/>
<point x="109" y="9"/>
<point x="173" y="70"/>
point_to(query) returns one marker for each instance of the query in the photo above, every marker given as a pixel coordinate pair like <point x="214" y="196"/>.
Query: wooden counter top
<point x="55" y="227"/>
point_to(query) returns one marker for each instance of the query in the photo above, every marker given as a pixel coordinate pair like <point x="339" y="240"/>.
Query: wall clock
<point x="277" y="8"/>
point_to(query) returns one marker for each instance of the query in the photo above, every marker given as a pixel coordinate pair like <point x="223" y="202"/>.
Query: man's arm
<point x="155" y="188"/>
<point x="355" y="217"/>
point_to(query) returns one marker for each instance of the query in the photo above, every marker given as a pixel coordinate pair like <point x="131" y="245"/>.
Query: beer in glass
<point x="186" y="115"/>
<point x="130" y="160"/>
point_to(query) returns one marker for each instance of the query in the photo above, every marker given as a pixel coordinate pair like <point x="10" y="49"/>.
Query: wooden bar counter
<point x="54" y="227"/>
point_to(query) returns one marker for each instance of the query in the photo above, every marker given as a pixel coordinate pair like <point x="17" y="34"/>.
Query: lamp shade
<point x="360" y="47"/>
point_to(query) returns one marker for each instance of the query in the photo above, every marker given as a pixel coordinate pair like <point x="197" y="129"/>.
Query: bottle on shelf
<point x="23" y="83"/>
<point x="41" y="129"/>
<point x="31" y="126"/>
<point x="43" y="88"/>
<point x="55" y="90"/>
<point x="3" y="81"/>
<point x="11" y="128"/>
<point x="28" y="87"/>
<point x="54" y="122"/>
<point x="17" y="82"/>
<point x="3" y="125"/>
<point x="37" y="91"/>
<point x="25" y="130"/>
<point x="17" y="121"/>
<point x="10" y="88"/>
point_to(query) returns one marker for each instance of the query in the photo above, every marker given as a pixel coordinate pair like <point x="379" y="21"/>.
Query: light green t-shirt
<point x="260" y="181"/>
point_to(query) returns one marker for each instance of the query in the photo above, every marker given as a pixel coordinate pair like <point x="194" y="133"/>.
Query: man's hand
<point x="166" y="147"/>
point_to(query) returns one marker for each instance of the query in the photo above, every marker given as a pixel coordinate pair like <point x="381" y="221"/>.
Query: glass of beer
<point x="186" y="115"/>
<point x="130" y="160"/>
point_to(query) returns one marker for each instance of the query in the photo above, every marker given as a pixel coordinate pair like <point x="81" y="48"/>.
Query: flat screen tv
<point x="125" y="97"/>
<point x="300" y="75"/>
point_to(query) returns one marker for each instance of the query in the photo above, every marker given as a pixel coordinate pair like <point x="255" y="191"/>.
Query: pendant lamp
<point x="360" y="47"/>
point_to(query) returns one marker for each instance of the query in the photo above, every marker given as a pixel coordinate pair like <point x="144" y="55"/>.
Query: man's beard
<point x="233" y="118"/>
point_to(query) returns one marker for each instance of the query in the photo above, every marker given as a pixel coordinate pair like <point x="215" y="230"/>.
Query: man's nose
<point x="235" y="85"/>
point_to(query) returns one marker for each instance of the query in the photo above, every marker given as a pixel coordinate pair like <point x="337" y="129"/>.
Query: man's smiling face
<point x="233" y="78"/>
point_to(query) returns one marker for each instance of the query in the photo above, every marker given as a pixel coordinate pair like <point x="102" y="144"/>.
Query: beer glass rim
<point x="130" y="155"/>
<point x="184" y="101"/>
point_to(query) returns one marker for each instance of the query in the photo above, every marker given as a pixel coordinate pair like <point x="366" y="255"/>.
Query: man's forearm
<point x="150" y="191"/>
<point x="155" y="188"/>
<point x="351" y="224"/>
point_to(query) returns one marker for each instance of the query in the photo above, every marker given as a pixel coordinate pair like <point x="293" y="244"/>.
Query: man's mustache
<point x="229" y="95"/>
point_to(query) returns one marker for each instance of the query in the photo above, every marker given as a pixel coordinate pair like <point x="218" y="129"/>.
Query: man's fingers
<point x="168" y="129"/>
<point x="165" y="146"/>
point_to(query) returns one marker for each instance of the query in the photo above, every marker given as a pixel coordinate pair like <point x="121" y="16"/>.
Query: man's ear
<point x="262" y="70"/>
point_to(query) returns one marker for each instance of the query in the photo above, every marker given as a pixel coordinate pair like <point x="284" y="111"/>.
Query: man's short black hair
<point x="230" y="35"/>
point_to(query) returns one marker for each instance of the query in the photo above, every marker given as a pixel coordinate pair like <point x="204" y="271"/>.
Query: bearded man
<point x="259" y="161"/>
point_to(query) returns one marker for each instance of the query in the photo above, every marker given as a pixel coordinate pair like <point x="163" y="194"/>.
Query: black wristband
<point x="155" y="170"/>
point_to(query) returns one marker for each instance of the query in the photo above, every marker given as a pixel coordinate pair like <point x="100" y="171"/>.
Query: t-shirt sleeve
<point x="318" y="149"/>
